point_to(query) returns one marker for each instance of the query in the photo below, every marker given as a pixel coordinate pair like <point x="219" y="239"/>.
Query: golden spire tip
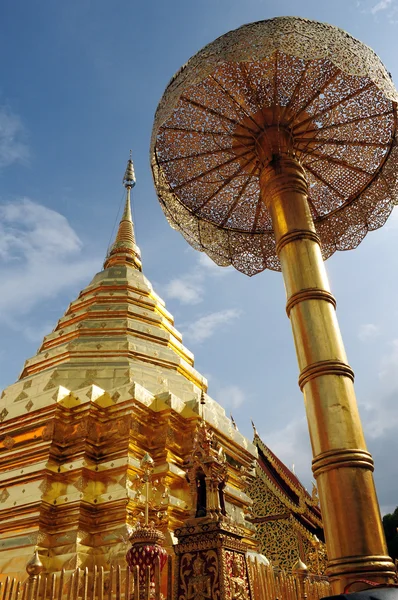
<point x="124" y="250"/>
<point x="129" y="179"/>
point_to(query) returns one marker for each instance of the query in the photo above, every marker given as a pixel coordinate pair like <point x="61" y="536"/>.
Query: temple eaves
<point x="124" y="250"/>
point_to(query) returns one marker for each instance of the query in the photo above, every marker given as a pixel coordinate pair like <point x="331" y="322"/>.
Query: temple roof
<point x="300" y="505"/>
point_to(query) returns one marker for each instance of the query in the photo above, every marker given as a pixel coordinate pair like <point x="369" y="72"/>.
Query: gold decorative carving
<point x="48" y="431"/>
<point x="45" y="486"/>
<point x="92" y="373"/>
<point x="52" y="382"/>
<point x="199" y="576"/>
<point x="9" y="442"/>
<point x="207" y="473"/>
<point x="4" y="495"/>
<point x="237" y="579"/>
<point x="314" y="495"/>
<point x="279" y="538"/>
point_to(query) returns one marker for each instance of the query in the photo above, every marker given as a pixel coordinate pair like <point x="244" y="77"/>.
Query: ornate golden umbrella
<point x="272" y="147"/>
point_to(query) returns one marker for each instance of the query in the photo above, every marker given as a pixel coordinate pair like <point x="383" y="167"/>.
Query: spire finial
<point x="124" y="250"/>
<point x="202" y="403"/>
<point x="34" y="566"/>
<point x="129" y="175"/>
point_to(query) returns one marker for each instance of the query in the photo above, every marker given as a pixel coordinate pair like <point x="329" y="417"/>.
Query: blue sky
<point x="80" y="82"/>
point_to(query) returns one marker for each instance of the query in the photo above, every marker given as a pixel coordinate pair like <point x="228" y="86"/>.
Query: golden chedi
<point x="111" y="382"/>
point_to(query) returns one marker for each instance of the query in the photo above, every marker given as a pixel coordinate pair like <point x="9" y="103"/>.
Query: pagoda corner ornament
<point x="273" y="147"/>
<point x="210" y="554"/>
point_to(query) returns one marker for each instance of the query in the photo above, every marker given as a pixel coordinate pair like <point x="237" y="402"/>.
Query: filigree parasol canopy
<point x="328" y="91"/>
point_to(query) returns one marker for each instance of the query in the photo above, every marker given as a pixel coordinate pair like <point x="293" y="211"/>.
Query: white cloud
<point x="187" y="289"/>
<point x="381" y="418"/>
<point x="380" y="411"/>
<point x="29" y="229"/>
<point x="211" y="267"/>
<point x="40" y="256"/>
<point x="231" y="397"/>
<point x="382" y="5"/>
<point x="292" y="445"/>
<point x="206" y="326"/>
<point x="368" y="331"/>
<point x="389" y="365"/>
<point x="12" y="145"/>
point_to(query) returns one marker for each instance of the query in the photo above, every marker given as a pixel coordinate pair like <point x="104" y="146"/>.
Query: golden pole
<point x="147" y="465"/>
<point x="342" y="465"/>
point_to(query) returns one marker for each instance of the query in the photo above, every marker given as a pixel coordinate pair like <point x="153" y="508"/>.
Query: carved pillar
<point x="211" y="556"/>
<point x="211" y="561"/>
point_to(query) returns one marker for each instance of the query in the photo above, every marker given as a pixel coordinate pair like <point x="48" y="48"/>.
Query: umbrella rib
<point x="243" y="69"/>
<point x="304" y="150"/>
<point x="185" y="183"/>
<point x="237" y="104"/>
<point x="314" y="96"/>
<point x="212" y="111"/>
<point x="298" y="85"/>
<point x="244" y="186"/>
<point x="341" y="163"/>
<point x="184" y="130"/>
<point x="325" y="182"/>
<point x="311" y="203"/>
<point x="199" y="155"/>
<point x="257" y="215"/>
<point x="350" y="121"/>
<point x="222" y="186"/>
<point x="275" y="85"/>
<point x="333" y="106"/>
<point x="343" y="142"/>
<point x="211" y="133"/>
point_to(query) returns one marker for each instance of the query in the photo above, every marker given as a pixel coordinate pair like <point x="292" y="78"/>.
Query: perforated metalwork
<point x="333" y="99"/>
<point x="283" y="540"/>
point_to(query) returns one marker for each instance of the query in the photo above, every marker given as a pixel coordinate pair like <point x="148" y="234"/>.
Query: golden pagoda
<point x="110" y="383"/>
